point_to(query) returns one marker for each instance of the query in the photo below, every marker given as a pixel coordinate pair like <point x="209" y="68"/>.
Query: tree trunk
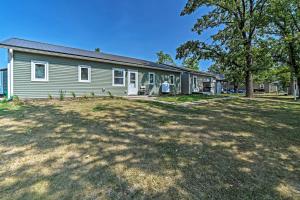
<point x="235" y="87"/>
<point x="249" y="65"/>
<point x="295" y="69"/>
<point x="291" y="86"/>
<point x="298" y="84"/>
<point x="249" y="84"/>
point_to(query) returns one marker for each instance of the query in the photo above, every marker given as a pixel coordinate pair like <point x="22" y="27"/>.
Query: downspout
<point x="10" y="74"/>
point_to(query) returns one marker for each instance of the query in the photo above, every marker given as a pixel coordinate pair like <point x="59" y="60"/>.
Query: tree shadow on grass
<point x="118" y="149"/>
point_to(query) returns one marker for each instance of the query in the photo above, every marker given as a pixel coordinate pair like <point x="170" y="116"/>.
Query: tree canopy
<point x="191" y="63"/>
<point x="284" y="33"/>
<point x="164" y="58"/>
<point x="238" y="41"/>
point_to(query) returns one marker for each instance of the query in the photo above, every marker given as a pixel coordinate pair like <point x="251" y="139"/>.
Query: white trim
<point x="113" y="77"/>
<point x="172" y="75"/>
<point x="151" y="73"/>
<point x="33" y="64"/>
<point x="10" y="77"/>
<point x="89" y="73"/>
<point x="12" y="72"/>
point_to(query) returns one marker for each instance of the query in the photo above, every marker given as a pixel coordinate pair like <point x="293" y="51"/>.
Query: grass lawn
<point x="274" y="97"/>
<point x="189" y="98"/>
<point x="121" y="149"/>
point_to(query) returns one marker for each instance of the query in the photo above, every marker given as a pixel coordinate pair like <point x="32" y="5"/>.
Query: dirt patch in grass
<point x="120" y="149"/>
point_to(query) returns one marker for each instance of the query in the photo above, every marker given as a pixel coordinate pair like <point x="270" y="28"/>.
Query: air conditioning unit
<point x="165" y="87"/>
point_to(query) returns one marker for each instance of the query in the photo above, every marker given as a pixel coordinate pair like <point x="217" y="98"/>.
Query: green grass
<point x="8" y="106"/>
<point x="274" y="97"/>
<point x="189" y="98"/>
<point x="121" y="149"/>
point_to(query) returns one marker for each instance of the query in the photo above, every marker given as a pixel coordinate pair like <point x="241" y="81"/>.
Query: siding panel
<point x="63" y="75"/>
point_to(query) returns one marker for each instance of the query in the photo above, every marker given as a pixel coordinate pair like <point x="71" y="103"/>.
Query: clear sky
<point x="134" y="28"/>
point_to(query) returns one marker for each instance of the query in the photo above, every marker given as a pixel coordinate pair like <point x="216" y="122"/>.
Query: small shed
<point x="3" y="81"/>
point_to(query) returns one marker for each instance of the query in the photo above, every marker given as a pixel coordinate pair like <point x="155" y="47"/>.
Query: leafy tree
<point x="284" y="30"/>
<point x="164" y="58"/>
<point x="97" y="50"/>
<point x="283" y="75"/>
<point x="191" y="63"/>
<point x="233" y="76"/>
<point x="237" y="43"/>
<point x="279" y="74"/>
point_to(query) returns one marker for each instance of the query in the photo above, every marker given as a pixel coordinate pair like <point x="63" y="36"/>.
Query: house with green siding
<point x="37" y="70"/>
<point x="197" y="82"/>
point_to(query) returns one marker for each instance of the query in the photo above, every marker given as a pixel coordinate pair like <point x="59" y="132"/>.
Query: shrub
<point x="62" y="95"/>
<point x="92" y="94"/>
<point x="50" y="96"/>
<point x="73" y="94"/>
<point x="16" y="100"/>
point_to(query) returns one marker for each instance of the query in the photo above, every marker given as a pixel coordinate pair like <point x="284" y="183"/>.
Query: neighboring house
<point x="266" y="87"/>
<point x="222" y="85"/>
<point x="220" y="82"/>
<point x="197" y="82"/>
<point x="37" y="70"/>
<point x="3" y="81"/>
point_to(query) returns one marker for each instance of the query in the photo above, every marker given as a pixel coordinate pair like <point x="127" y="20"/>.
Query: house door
<point x="132" y="82"/>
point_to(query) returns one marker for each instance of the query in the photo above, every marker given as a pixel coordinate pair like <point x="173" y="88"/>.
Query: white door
<point x="132" y="82"/>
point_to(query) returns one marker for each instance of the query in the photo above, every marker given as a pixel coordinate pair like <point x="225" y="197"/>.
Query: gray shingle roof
<point x="27" y="44"/>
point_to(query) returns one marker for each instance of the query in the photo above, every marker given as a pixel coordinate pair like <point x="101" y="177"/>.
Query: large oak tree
<point x="236" y="43"/>
<point x="284" y="29"/>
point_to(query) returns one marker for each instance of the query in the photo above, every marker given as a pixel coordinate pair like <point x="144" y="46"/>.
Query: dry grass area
<point x="120" y="149"/>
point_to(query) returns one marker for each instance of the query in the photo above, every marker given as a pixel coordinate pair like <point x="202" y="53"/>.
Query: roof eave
<point x="52" y="53"/>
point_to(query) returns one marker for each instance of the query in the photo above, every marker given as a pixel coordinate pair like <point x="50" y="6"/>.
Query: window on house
<point x="172" y="81"/>
<point x="262" y="86"/>
<point x="118" y="77"/>
<point x="194" y="82"/>
<point x="151" y="78"/>
<point x="84" y="73"/>
<point x="1" y="74"/>
<point x="39" y="71"/>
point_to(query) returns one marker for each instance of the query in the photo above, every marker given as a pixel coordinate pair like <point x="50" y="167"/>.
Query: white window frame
<point x="33" y="64"/>
<point x="151" y="73"/>
<point x="89" y="73"/>
<point x="113" y="77"/>
<point x="173" y="77"/>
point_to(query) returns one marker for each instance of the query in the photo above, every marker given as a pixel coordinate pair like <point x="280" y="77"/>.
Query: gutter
<point x="65" y="55"/>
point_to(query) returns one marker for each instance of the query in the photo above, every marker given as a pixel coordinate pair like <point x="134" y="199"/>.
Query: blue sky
<point x="135" y="28"/>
